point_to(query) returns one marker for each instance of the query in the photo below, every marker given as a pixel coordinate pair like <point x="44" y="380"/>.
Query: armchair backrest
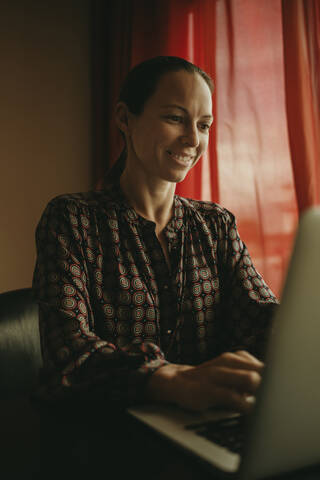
<point x="20" y="351"/>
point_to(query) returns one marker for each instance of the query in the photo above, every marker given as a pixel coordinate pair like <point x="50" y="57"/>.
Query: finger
<point x="244" y="381"/>
<point x="238" y="360"/>
<point x="254" y="362"/>
<point x="230" y="399"/>
<point x="249" y="356"/>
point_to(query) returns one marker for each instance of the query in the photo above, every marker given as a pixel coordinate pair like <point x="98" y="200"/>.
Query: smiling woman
<point x="145" y="295"/>
<point x="165" y="141"/>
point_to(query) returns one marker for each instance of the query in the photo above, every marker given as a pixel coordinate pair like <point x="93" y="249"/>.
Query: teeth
<point x="184" y="158"/>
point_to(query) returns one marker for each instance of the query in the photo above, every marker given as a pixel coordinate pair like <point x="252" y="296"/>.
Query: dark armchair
<point x="20" y="353"/>
<point x="34" y="444"/>
<point x="20" y="360"/>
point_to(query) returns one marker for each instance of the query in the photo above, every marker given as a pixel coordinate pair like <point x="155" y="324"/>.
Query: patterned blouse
<point x="111" y="311"/>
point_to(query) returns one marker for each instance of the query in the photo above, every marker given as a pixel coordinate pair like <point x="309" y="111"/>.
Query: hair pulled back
<point x="140" y="84"/>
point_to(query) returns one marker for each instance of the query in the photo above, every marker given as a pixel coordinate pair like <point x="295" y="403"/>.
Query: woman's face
<point x="172" y="132"/>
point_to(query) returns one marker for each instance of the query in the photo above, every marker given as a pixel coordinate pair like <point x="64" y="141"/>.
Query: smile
<point x="185" y="159"/>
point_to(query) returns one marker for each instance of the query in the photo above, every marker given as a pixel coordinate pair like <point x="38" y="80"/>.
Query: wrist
<point x="164" y="384"/>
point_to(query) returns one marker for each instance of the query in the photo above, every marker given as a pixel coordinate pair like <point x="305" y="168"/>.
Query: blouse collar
<point x="131" y="216"/>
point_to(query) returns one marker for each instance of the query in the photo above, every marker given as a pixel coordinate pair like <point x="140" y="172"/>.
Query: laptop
<point x="282" y="432"/>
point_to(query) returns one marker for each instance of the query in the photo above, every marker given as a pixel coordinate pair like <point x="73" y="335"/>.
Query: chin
<point x="180" y="176"/>
<point x="176" y="175"/>
<point x="176" y="178"/>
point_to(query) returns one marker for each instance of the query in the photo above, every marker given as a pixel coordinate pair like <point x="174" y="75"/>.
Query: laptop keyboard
<point x="227" y="432"/>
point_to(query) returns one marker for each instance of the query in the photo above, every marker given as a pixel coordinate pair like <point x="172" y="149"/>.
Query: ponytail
<point x="113" y="175"/>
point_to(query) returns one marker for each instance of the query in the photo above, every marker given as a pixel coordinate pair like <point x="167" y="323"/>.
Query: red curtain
<point x="301" y="32"/>
<point x="255" y="170"/>
<point x="263" y="156"/>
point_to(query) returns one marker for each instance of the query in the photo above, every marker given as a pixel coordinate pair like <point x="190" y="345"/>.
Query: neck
<point x="150" y="197"/>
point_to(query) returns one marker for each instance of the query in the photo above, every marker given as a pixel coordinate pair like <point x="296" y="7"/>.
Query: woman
<point x="144" y="295"/>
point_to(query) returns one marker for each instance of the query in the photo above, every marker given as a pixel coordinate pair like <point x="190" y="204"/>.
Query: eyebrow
<point x="184" y="109"/>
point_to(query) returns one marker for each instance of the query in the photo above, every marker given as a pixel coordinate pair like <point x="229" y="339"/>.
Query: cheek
<point x="151" y="138"/>
<point x="164" y="137"/>
<point x="204" y="143"/>
<point x="166" y="134"/>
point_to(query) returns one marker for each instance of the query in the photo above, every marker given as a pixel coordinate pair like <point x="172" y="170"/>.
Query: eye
<point x="205" y="126"/>
<point x="175" y="118"/>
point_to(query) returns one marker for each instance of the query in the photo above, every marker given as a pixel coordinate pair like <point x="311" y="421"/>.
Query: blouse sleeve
<point x="247" y="301"/>
<point x="75" y="358"/>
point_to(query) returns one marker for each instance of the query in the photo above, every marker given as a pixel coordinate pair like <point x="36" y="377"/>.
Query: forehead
<point x="189" y="90"/>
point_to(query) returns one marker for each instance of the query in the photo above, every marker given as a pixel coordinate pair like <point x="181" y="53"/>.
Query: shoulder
<point x="208" y="211"/>
<point x="75" y="210"/>
<point x="86" y="203"/>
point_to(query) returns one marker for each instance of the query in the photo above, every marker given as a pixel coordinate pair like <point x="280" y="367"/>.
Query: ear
<point x="122" y="117"/>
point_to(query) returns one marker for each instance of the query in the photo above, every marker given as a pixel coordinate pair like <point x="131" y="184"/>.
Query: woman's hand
<point x="229" y="381"/>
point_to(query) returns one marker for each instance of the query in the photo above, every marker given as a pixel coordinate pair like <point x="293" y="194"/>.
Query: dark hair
<point x="141" y="83"/>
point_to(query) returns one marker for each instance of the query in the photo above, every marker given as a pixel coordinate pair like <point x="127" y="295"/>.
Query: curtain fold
<point x="111" y="41"/>
<point x="301" y="41"/>
<point x="255" y="171"/>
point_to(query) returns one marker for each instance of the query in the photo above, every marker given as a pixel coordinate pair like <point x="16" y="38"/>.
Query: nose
<point x="191" y="135"/>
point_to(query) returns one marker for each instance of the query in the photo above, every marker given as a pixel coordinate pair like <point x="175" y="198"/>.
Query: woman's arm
<point x="248" y="304"/>
<point x="76" y="358"/>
